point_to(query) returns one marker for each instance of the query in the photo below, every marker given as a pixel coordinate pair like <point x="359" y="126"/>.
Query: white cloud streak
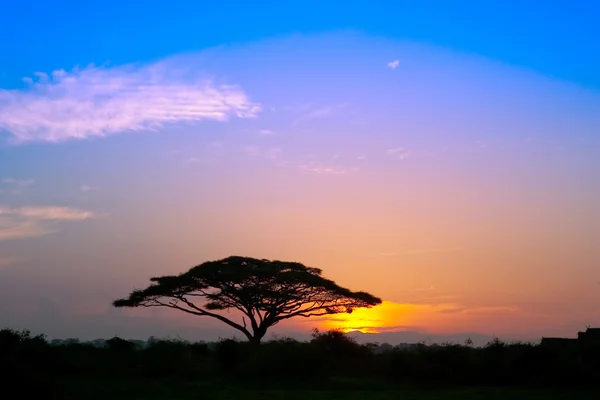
<point x="53" y="213"/>
<point x="18" y="182"/>
<point x="399" y="152"/>
<point x="309" y="112"/>
<point x="99" y="101"/>
<point x="393" y="64"/>
<point x="260" y="152"/>
<point x="321" y="169"/>
<point x="26" y="222"/>
<point x="88" y="188"/>
<point x="424" y="289"/>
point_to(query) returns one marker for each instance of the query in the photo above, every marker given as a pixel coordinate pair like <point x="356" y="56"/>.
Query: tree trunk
<point x="259" y="333"/>
<point x="255" y="340"/>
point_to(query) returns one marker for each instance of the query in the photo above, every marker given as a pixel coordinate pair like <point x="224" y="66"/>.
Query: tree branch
<point x="202" y="312"/>
<point x="264" y="292"/>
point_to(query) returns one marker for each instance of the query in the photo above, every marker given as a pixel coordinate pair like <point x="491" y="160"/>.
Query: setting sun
<point x="387" y="316"/>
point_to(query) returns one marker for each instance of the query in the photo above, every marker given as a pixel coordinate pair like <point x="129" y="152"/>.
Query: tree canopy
<point x="264" y="292"/>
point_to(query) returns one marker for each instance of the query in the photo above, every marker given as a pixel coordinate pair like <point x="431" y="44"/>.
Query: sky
<point x="444" y="158"/>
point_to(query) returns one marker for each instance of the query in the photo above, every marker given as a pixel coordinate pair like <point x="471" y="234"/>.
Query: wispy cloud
<point x="99" y="101"/>
<point x="52" y="213"/>
<point x="25" y="222"/>
<point x="266" y="132"/>
<point x="393" y="64"/>
<point x="209" y="154"/>
<point x="18" y="182"/>
<point x="88" y="188"/>
<point x="324" y="111"/>
<point x="309" y="112"/>
<point x="424" y="289"/>
<point x="399" y="152"/>
<point x="14" y="186"/>
<point x="322" y="169"/>
<point x="195" y="160"/>
<point x="263" y="152"/>
<point x="310" y="164"/>
<point x="479" y="310"/>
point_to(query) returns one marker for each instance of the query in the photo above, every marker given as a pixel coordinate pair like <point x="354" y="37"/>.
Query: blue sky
<point x="556" y="39"/>
<point x="442" y="157"/>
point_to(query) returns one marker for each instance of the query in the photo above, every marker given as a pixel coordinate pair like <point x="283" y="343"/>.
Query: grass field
<point x="336" y="368"/>
<point x="177" y="391"/>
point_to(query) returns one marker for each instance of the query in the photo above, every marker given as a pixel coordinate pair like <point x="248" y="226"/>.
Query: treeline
<point x="329" y="359"/>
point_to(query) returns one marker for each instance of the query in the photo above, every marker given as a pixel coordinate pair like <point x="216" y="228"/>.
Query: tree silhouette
<point x="265" y="292"/>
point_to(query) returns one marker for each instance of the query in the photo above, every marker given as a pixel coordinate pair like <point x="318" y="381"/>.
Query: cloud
<point x="193" y="160"/>
<point x="267" y="152"/>
<point x="88" y="188"/>
<point x="323" y="111"/>
<point x="16" y="228"/>
<point x="266" y="132"/>
<point x="393" y="64"/>
<point x="321" y="169"/>
<point x="207" y="155"/>
<point x="54" y="213"/>
<point x="99" y="101"/>
<point x="14" y="186"/>
<point x="309" y="112"/>
<point x="479" y="310"/>
<point x="424" y="289"/>
<point x="27" y="222"/>
<point x="18" y="182"/>
<point x="399" y="152"/>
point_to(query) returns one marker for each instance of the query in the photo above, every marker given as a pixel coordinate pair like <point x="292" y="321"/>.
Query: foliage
<point x="264" y="292"/>
<point x="331" y="360"/>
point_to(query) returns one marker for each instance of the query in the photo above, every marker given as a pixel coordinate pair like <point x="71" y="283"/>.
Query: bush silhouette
<point x="326" y="360"/>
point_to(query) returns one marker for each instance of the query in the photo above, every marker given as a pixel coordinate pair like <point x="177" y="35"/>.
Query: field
<point x="178" y="391"/>
<point x="330" y="366"/>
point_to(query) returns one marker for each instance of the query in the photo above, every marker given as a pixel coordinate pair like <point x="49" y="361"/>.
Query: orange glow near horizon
<point x="433" y="318"/>
<point x="386" y="316"/>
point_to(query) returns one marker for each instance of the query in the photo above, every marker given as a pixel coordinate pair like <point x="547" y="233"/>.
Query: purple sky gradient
<point x="449" y="171"/>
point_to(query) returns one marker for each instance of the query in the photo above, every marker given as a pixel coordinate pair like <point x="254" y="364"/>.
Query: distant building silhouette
<point x="589" y="338"/>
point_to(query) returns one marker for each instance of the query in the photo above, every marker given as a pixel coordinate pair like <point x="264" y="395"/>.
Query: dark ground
<point x="178" y="391"/>
<point x="330" y="366"/>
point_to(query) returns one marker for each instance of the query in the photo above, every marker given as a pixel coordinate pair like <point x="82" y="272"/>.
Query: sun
<point x="385" y="316"/>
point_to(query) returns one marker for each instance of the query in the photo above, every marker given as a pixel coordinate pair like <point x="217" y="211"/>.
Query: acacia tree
<point x="265" y="292"/>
